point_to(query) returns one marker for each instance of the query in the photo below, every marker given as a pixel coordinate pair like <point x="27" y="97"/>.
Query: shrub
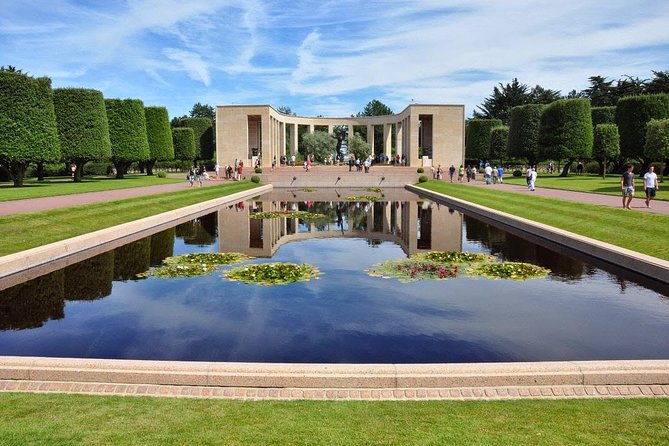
<point x="255" y="179"/>
<point x="184" y="144"/>
<point x="127" y="131"/>
<point x="420" y="170"/>
<point x="499" y="137"/>
<point x="566" y="131"/>
<point x="258" y="170"/>
<point x="632" y="115"/>
<point x="159" y="136"/>
<point x="97" y="168"/>
<point x="517" y="173"/>
<point x="203" y="134"/>
<point x="523" y="139"/>
<point x="477" y="138"/>
<point x="422" y="179"/>
<point x="603" y="115"/>
<point x="591" y="167"/>
<point x="162" y="174"/>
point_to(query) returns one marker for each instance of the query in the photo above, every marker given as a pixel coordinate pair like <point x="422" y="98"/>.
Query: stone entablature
<point x="245" y="130"/>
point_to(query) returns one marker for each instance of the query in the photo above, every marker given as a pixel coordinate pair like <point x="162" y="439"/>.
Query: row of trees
<point x="637" y="128"/>
<point x="40" y="125"/>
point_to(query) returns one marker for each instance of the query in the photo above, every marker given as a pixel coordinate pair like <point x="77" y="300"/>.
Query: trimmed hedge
<point x="82" y="124"/>
<point x="159" y="136"/>
<point x="477" y="138"/>
<point x="203" y="132"/>
<point x="566" y="130"/>
<point x="632" y="115"/>
<point x="606" y="145"/>
<point x="255" y="179"/>
<point x="127" y="131"/>
<point x="603" y="115"/>
<point x="184" y="143"/>
<point x="657" y="140"/>
<point x="499" y="138"/>
<point x="422" y="179"/>
<point x="524" y="132"/>
<point x="27" y="123"/>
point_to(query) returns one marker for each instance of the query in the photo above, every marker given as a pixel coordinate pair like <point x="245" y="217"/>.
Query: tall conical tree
<point x="127" y="132"/>
<point x="82" y="124"/>
<point x="27" y="123"/>
<point x="159" y="136"/>
<point x="203" y="131"/>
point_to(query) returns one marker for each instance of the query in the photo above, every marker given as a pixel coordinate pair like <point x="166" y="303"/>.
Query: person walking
<point x="533" y="179"/>
<point x="451" y="172"/>
<point x="627" y="186"/>
<point x="461" y="174"/>
<point x="488" y="173"/>
<point x="191" y="176"/>
<point x="217" y="168"/>
<point x="650" y="185"/>
<point x="500" y="174"/>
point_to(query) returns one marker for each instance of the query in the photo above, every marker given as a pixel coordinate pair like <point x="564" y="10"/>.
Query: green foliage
<point x="258" y="170"/>
<point x="203" y="133"/>
<point x="83" y="129"/>
<point x="158" y="134"/>
<point x="27" y="123"/>
<point x="303" y="215"/>
<point x="566" y="130"/>
<point x="607" y="142"/>
<point x="132" y="259"/>
<point x="184" y="143"/>
<point x="161" y="174"/>
<point x="320" y="144"/>
<point x="524" y="132"/>
<point x="255" y="179"/>
<point x="273" y="273"/>
<point x="358" y="147"/>
<point x="370" y="198"/>
<point x="422" y="179"/>
<point x="409" y="270"/>
<point x="603" y="115"/>
<point x="505" y="97"/>
<point x="203" y="111"/>
<point x="632" y="115"/>
<point x="196" y="264"/>
<point x="508" y="270"/>
<point x="90" y="279"/>
<point x="453" y="257"/>
<point x="499" y="138"/>
<point x="32" y="303"/>
<point x="657" y="140"/>
<point x="375" y="108"/>
<point x="127" y="131"/>
<point x="420" y="170"/>
<point x="517" y="173"/>
<point x="477" y="139"/>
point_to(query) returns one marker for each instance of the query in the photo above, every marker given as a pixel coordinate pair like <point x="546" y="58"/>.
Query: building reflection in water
<point x="416" y="226"/>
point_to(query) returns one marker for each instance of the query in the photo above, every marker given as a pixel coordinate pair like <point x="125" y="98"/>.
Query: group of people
<point x="358" y="164"/>
<point x="650" y="185"/>
<point x="198" y="174"/>
<point x="493" y="175"/>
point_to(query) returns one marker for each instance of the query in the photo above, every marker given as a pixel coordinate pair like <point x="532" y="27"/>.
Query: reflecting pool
<point x="99" y="308"/>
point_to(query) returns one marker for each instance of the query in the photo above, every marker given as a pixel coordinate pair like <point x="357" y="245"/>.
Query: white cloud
<point x="191" y="62"/>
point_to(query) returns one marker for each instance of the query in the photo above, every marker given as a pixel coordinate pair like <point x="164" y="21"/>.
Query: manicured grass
<point x="639" y="231"/>
<point x="589" y="183"/>
<point x="65" y="186"/>
<point x="24" y="231"/>
<point x="33" y="419"/>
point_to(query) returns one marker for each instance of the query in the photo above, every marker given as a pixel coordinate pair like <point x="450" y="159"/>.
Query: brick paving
<point x="261" y="393"/>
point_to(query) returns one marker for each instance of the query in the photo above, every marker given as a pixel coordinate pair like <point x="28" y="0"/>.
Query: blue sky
<point x="329" y="57"/>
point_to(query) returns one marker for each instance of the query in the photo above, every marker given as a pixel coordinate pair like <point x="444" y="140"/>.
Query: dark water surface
<point x="99" y="309"/>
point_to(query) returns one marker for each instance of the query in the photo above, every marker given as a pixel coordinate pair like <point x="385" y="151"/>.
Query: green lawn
<point x="65" y="186"/>
<point x="588" y="183"/>
<point x="34" y="419"/>
<point x="24" y="231"/>
<point x="639" y="231"/>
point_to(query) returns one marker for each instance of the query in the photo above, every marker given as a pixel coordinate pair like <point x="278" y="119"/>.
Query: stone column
<point x="387" y="139"/>
<point x="370" y="137"/>
<point x="311" y="129"/>
<point x="330" y="126"/>
<point x="399" y="137"/>
<point x="293" y="139"/>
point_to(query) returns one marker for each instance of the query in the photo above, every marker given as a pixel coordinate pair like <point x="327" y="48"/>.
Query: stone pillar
<point x="387" y="139"/>
<point x="330" y="126"/>
<point x="311" y="129"/>
<point x="293" y="139"/>
<point x="370" y="137"/>
<point x="399" y="137"/>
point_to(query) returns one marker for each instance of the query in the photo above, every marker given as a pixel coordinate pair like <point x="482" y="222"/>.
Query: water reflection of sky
<point x="347" y="316"/>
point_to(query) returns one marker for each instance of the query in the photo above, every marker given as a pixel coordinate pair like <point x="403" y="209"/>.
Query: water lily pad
<point x="450" y="257"/>
<point x="508" y="270"/>
<point x="304" y="215"/>
<point x="273" y="273"/>
<point x="363" y="198"/>
<point x="195" y="264"/>
<point x="409" y="270"/>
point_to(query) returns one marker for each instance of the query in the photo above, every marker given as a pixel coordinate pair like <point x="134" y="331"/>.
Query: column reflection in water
<point x="415" y="227"/>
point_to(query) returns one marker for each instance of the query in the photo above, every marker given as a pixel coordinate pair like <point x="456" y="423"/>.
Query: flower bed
<point x="454" y="257"/>
<point x="196" y="264"/>
<point x="273" y="273"/>
<point x="408" y="270"/>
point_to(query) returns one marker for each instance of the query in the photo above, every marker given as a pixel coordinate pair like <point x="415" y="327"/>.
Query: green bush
<point x="420" y="170"/>
<point x="523" y="139"/>
<point x="632" y="115"/>
<point x="162" y="174"/>
<point x="477" y="138"/>
<point x="591" y="167"/>
<point x="50" y="170"/>
<point x="159" y="136"/>
<point x="422" y="179"/>
<point x="566" y="130"/>
<point x="603" y="115"/>
<point x="255" y="179"/>
<point x="98" y="168"/>
<point x="184" y="144"/>
<point x="203" y="134"/>
<point x="127" y="131"/>
<point x="517" y="173"/>
<point x="499" y="138"/>
<point x="258" y="170"/>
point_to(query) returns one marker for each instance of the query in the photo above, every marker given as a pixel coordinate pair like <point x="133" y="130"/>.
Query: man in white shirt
<point x="650" y="184"/>
<point x="488" y="173"/>
<point x="533" y="179"/>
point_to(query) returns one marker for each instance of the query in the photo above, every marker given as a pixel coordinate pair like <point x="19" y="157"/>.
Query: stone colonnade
<point x="424" y="134"/>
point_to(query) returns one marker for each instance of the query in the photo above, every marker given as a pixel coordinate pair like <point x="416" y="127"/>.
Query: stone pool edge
<point x="648" y="266"/>
<point x="16" y="268"/>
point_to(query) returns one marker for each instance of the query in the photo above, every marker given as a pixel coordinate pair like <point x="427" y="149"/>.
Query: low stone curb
<point x="651" y="267"/>
<point x="404" y="394"/>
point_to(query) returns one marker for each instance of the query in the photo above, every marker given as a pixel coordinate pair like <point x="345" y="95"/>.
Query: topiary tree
<point x="127" y="132"/>
<point x="320" y="144"/>
<point x="83" y="129"/>
<point x="524" y="132"/>
<point x="90" y="279"/>
<point x="477" y="138"/>
<point x="159" y="135"/>
<point x="603" y="115"/>
<point x="184" y="143"/>
<point x="632" y="115"/>
<point x="27" y="123"/>
<point x="566" y="131"/>
<point x="606" y="145"/>
<point x="203" y="132"/>
<point x="499" y="138"/>
<point x="657" y="140"/>
<point x="358" y="147"/>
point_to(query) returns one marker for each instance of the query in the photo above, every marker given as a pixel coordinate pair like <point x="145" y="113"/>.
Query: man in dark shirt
<point x="627" y="186"/>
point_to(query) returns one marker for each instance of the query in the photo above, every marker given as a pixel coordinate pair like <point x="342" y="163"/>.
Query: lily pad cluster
<point x="377" y="190"/>
<point x="304" y="215"/>
<point x="449" y="264"/>
<point x="508" y="270"/>
<point x="363" y="198"/>
<point x="195" y="264"/>
<point x="279" y="273"/>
